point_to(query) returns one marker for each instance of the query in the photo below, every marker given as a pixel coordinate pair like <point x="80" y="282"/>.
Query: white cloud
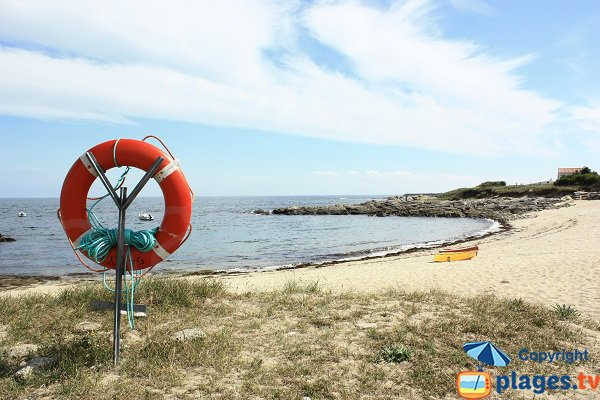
<point x="388" y="174"/>
<point x="587" y="118"/>
<point x="325" y="173"/>
<point x="204" y="62"/>
<point x="473" y="6"/>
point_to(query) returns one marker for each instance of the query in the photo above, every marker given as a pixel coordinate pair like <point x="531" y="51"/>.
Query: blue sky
<point x="289" y="98"/>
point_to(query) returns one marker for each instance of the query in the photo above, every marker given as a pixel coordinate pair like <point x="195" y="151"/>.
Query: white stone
<point x="22" y="351"/>
<point x="24" y="373"/>
<point x="366" y="325"/>
<point x="87" y="326"/>
<point x="188" y="334"/>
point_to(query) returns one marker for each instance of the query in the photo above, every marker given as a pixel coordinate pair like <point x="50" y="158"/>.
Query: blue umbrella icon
<point x="486" y="353"/>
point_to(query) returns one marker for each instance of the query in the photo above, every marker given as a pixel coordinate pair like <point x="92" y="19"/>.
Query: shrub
<point x="586" y="178"/>
<point x="492" y="183"/>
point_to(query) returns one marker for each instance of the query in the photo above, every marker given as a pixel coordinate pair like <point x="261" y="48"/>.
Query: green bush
<point x="492" y="183"/>
<point x="585" y="178"/>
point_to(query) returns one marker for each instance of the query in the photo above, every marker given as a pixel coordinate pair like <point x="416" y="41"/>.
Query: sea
<point x="228" y="236"/>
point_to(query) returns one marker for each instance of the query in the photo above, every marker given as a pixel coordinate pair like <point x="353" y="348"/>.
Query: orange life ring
<point x="134" y="153"/>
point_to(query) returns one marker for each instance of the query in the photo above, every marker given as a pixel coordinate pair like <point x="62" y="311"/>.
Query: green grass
<point x="565" y="312"/>
<point x="478" y="192"/>
<point x="394" y="353"/>
<point x="299" y="341"/>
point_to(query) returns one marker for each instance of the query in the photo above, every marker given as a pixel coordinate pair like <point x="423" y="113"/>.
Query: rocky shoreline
<point x="501" y="209"/>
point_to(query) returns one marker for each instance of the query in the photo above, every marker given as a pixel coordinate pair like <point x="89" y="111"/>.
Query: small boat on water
<point x="146" y="216"/>
<point x="22" y="214"/>
<point x="454" y="256"/>
<point x="459" y="249"/>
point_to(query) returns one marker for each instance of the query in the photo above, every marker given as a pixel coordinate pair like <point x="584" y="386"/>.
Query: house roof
<point x="570" y="170"/>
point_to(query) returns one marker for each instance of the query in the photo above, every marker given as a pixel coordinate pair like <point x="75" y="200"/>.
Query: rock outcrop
<point x="260" y="211"/>
<point x="500" y="209"/>
<point x="6" y="239"/>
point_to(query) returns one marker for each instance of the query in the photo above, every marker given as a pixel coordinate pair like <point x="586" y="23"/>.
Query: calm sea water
<point x="227" y="235"/>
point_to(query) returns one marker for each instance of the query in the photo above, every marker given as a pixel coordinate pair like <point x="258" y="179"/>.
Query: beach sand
<point x="548" y="257"/>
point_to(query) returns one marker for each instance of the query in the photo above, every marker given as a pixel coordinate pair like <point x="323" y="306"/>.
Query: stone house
<point x="568" y="171"/>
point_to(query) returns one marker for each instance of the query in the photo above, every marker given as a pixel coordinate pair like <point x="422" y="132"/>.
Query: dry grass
<point x="299" y="341"/>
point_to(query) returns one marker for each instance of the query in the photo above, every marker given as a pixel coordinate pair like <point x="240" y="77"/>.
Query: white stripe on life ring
<point x="88" y="165"/>
<point x="77" y="242"/>
<point x="166" y="171"/>
<point x="160" y="251"/>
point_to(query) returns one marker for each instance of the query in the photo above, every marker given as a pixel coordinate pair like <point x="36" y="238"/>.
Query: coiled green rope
<point x="98" y="242"/>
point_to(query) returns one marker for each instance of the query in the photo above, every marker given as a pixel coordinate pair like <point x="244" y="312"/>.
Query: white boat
<point x="146" y="216"/>
<point x="22" y="214"/>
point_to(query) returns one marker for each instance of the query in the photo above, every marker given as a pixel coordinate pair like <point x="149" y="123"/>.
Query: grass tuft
<point x="295" y="287"/>
<point x="173" y="292"/>
<point x="565" y="312"/>
<point x="394" y="353"/>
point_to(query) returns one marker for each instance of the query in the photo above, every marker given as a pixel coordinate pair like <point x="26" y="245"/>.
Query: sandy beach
<point x="310" y="341"/>
<point x="547" y="258"/>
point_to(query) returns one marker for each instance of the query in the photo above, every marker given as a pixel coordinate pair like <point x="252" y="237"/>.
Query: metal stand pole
<point x="119" y="276"/>
<point x="122" y="202"/>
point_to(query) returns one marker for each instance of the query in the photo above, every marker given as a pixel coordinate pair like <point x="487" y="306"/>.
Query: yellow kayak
<point x="454" y="256"/>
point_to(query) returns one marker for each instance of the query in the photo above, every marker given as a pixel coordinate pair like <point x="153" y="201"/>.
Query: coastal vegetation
<point x="492" y="184"/>
<point x="299" y="341"/>
<point x="531" y="190"/>
<point x="586" y="179"/>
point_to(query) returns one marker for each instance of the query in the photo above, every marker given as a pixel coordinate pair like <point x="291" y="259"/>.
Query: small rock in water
<point x="21" y="351"/>
<point x="189" y="334"/>
<point x="87" y="326"/>
<point x="260" y="211"/>
<point x="6" y="239"/>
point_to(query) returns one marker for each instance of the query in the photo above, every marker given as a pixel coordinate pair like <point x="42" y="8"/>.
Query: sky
<point x="303" y="97"/>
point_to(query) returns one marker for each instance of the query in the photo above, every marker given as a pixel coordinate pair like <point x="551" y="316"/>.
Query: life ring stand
<point x="176" y="192"/>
